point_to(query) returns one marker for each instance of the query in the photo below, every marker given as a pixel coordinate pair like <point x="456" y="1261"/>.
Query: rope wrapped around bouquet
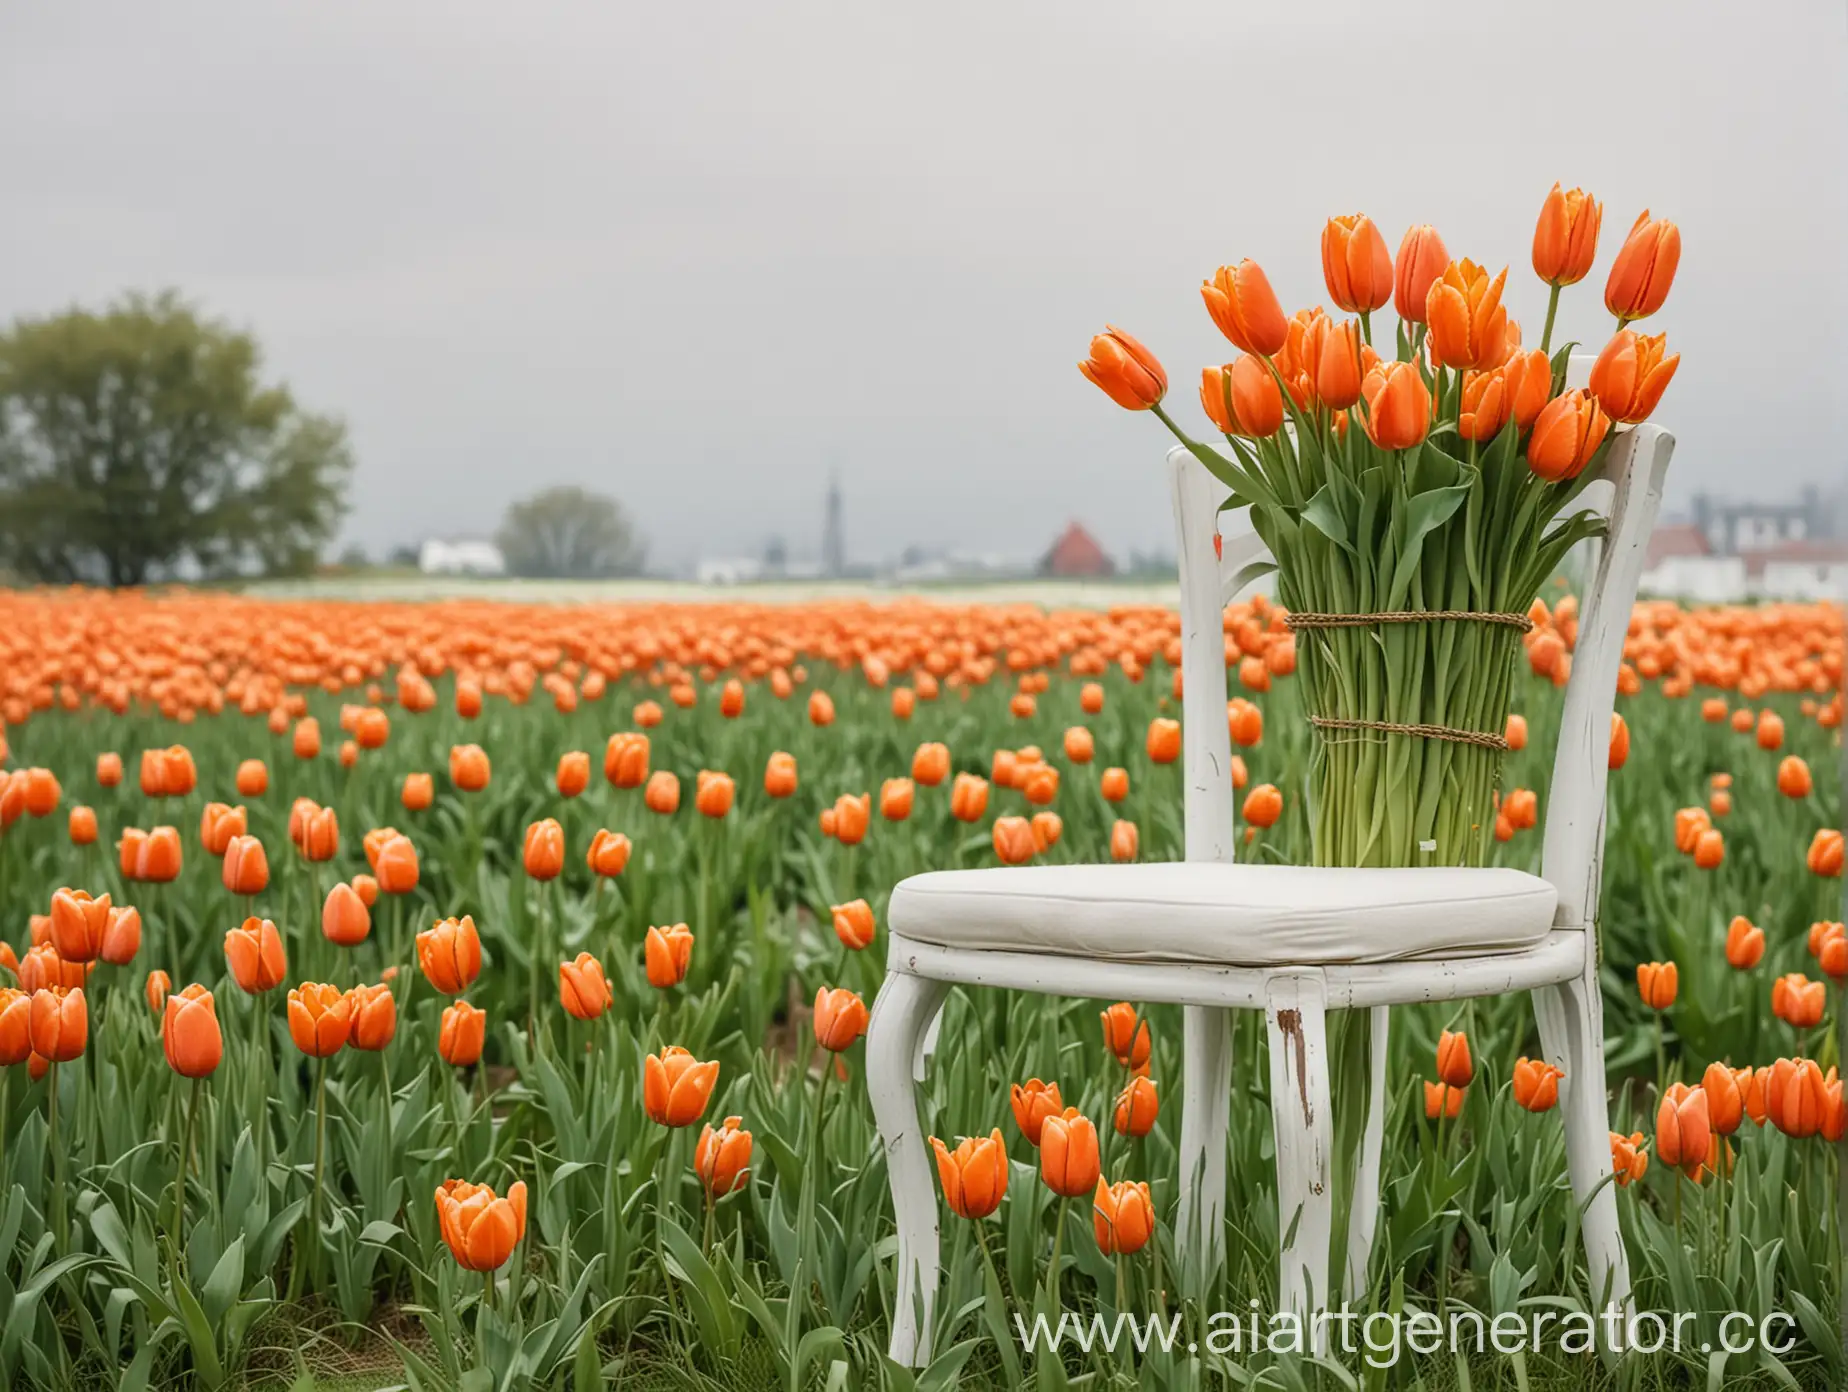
<point x="1499" y="743"/>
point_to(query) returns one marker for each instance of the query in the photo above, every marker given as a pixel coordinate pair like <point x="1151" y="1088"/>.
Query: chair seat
<point x="1225" y="915"/>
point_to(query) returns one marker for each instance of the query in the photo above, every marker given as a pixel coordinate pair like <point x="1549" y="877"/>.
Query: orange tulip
<point x="1566" y="236"/>
<point x="1725" y="1097"/>
<point x="305" y="741"/>
<point x="1567" y="433"/>
<point x="1339" y="366"/>
<point x="895" y="799"/>
<point x="1122" y="1217"/>
<point x="1091" y="698"/>
<point x="396" y="866"/>
<point x="662" y="794"/>
<point x="1631" y="374"/>
<point x="1683" y="1127"/>
<point x="1798" y="1001"/>
<point x="666" y="953"/>
<point x="464" y="1031"/>
<point x="42" y="969"/>
<point x="82" y="826"/>
<point x="1745" y="944"/>
<point x="15" y="1026"/>
<point x="974" y="1175"/>
<point x="723" y="1157"/>
<point x="968" y="797"/>
<point x="853" y="924"/>
<point x="625" y="760"/>
<point x="157" y="854"/>
<point x="780" y="775"/>
<point x="1079" y="745"/>
<point x="1644" y="269"/>
<point x="1263" y="805"/>
<point x="1620" y="741"/>
<point x="345" y="920"/>
<point x="1658" y="983"/>
<point x="1033" y="1102"/>
<point x="840" y="1018"/>
<point x="254" y="955"/>
<point x="480" y="1228"/>
<point x="78" y="924"/>
<point x="1793" y="778"/>
<point x="246" y="868"/>
<point x="1125" y="371"/>
<point x="1421" y="260"/>
<point x="218" y="824"/>
<point x="1164" y="741"/>
<point x="1536" y="1084"/>
<point x="1047" y="828"/>
<point x="317" y="834"/>
<point x="931" y="765"/>
<point x="1398" y="405"/>
<point x="713" y="793"/>
<point x="418" y="792"/>
<point x="609" y="853"/>
<point x="1355" y="264"/>
<point x="122" y="938"/>
<point x="1454" y="1065"/>
<point x="252" y="778"/>
<point x="469" y="768"/>
<point x="1126" y="1034"/>
<point x="1629" y="1161"/>
<point x="544" y="852"/>
<point x="1709" y="850"/>
<point x="1114" y="785"/>
<point x="375" y="1017"/>
<point x="676" y="1086"/>
<point x="1690" y="822"/>
<point x="1464" y="311"/>
<point x="1485" y="405"/>
<point x="58" y="1023"/>
<point x="1242" y="398"/>
<point x="1069" y="1160"/>
<point x="1242" y="304"/>
<point x="108" y="769"/>
<point x="1125" y="840"/>
<point x="1442" y="1100"/>
<point x="1527" y="382"/>
<point x="450" y="955"/>
<point x="820" y="708"/>
<point x="1825" y="853"/>
<point x="1013" y="840"/>
<point x="1136" y="1108"/>
<point x="583" y="989"/>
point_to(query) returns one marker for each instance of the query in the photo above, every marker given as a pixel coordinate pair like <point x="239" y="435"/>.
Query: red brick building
<point x="1077" y="555"/>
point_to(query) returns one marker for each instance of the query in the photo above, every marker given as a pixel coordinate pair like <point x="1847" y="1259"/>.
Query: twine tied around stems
<point x="1481" y="738"/>
<point x="1311" y="620"/>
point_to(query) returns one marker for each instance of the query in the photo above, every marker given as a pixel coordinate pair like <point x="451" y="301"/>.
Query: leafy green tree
<point x="569" y="533"/>
<point x="139" y="444"/>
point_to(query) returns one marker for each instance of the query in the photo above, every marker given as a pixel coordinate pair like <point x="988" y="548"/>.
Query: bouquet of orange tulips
<point x="1414" y="504"/>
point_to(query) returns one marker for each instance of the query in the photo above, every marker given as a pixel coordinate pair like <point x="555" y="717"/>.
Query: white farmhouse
<point x="460" y="556"/>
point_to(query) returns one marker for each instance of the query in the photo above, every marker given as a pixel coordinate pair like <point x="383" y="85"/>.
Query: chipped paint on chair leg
<point x="1571" y="1017"/>
<point x="1364" y="1213"/>
<point x="1296" y="1014"/>
<point x="1206" y="1081"/>
<point x="903" y="1012"/>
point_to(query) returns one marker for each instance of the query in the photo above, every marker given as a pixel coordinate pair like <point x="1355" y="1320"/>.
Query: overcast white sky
<point x="699" y="255"/>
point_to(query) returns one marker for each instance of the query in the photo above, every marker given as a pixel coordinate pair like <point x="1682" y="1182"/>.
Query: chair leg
<point x="1364" y="1214"/>
<point x="1571" y="1017"/>
<point x="1206" y="1080"/>
<point x="905" y="1007"/>
<point x="1296" y="1013"/>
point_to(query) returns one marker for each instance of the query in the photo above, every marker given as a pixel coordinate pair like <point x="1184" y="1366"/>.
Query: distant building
<point x="1076" y="554"/>
<point x="1734" y="529"/>
<point x="460" y="556"/>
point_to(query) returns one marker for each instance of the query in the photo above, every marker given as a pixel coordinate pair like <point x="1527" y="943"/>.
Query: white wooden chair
<point x="1291" y="941"/>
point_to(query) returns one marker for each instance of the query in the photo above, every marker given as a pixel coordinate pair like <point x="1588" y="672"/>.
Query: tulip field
<point x="479" y="996"/>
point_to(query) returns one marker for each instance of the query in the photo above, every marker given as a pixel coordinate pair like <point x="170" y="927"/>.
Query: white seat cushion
<point x="1228" y="915"/>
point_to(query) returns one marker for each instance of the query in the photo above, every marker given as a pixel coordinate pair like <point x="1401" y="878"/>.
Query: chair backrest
<point x="1627" y="493"/>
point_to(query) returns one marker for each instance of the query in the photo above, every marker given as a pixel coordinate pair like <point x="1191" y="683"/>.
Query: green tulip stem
<point x="1552" y="309"/>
